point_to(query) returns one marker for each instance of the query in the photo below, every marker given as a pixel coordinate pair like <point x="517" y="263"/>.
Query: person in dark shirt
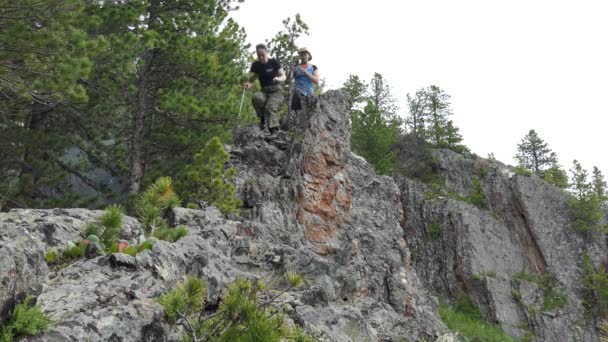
<point x="267" y="102"/>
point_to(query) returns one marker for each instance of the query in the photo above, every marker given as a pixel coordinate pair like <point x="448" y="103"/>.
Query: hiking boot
<point x="262" y="125"/>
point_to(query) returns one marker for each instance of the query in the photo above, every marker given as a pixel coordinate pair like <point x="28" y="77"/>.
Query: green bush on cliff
<point x="477" y="196"/>
<point x="240" y="316"/>
<point x="25" y="319"/>
<point x="464" y="317"/>
<point x="210" y="180"/>
<point x="153" y="203"/>
<point x="107" y="226"/>
<point x="552" y="297"/>
<point x="152" y="206"/>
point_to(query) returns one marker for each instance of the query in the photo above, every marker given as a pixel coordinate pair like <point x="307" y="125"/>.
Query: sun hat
<point x="307" y="51"/>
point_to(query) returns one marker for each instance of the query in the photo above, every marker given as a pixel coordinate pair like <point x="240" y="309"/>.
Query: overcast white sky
<point x="509" y="66"/>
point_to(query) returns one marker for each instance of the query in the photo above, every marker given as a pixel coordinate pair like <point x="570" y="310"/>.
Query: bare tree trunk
<point x="137" y="154"/>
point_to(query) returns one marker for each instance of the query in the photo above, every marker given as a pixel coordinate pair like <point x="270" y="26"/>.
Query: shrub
<point x="464" y="317"/>
<point x="522" y="171"/>
<point x="51" y="256"/>
<point x="107" y="226"/>
<point x="210" y="179"/>
<point x="153" y="203"/>
<point x="239" y="317"/>
<point x="25" y="319"/>
<point x="434" y="229"/>
<point x="477" y="195"/>
<point x="552" y="297"/>
<point x="171" y="234"/>
<point x="585" y="212"/>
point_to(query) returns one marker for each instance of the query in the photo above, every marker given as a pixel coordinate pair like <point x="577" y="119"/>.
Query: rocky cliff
<point x="377" y="253"/>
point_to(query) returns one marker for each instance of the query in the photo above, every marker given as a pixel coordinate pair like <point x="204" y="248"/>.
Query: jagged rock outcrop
<point x="484" y="251"/>
<point x="311" y="206"/>
<point x="375" y="252"/>
<point x="25" y="234"/>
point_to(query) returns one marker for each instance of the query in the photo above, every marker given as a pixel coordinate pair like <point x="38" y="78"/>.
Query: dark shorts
<point x="296" y="100"/>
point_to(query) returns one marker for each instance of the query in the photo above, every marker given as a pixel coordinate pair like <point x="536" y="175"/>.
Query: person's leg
<point x="259" y="104"/>
<point x="296" y="103"/>
<point x="273" y="103"/>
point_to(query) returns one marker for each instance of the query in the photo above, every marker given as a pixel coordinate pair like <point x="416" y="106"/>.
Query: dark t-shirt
<point x="266" y="72"/>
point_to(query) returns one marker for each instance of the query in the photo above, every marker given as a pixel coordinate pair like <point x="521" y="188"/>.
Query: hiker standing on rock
<point x="267" y="102"/>
<point x="305" y="76"/>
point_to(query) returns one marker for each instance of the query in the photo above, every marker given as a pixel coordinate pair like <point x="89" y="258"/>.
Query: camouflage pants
<point x="267" y="107"/>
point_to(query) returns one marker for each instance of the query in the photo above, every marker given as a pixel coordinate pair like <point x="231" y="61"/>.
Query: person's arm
<point x="314" y="77"/>
<point x="249" y="80"/>
<point x="280" y="76"/>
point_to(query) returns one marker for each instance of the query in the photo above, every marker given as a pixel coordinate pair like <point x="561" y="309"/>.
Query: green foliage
<point x="434" y="229"/>
<point x="187" y="298"/>
<point x="357" y="89"/>
<point x="579" y="186"/>
<point x="374" y="138"/>
<point x="585" y="208"/>
<point x="381" y="97"/>
<point x="556" y="175"/>
<point x="111" y="221"/>
<point x="170" y="234"/>
<point x="464" y="317"/>
<point x="552" y="297"/>
<point x="522" y="171"/>
<point x="25" y="319"/>
<point x="294" y="279"/>
<point x="131" y="250"/>
<point x="534" y="154"/>
<point x="283" y="45"/>
<point x="173" y="304"/>
<point x="51" y="256"/>
<point x="113" y="88"/>
<point x="107" y="226"/>
<point x="154" y="202"/>
<point x="240" y="317"/>
<point x="299" y="335"/>
<point x="477" y="195"/>
<point x="585" y="213"/>
<point x="45" y="56"/>
<point x="428" y="119"/>
<point x="210" y="180"/>
<point x="589" y="297"/>
<point x="599" y="186"/>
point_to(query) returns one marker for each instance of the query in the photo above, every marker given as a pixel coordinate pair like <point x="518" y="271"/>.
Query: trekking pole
<point x="242" y="98"/>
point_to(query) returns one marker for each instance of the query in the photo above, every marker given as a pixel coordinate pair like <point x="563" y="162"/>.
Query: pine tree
<point x="374" y="138"/>
<point x="45" y="54"/>
<point x="382" y="98"/>
<point x="599" y="185"/>
<point x="585" y="207"/>
<point x="580" y="187"/>
<point x="417" y="118"/>
<point x="556" y="175"/>
<point x="357" y="89"/>
<point x="171" y="73"/>
<point x="534" y="154"/>
<point x="209" y="178"/>
<point x="283" y="45"/>
<point x="438" y="106"/>
<point x="428" y="119"/>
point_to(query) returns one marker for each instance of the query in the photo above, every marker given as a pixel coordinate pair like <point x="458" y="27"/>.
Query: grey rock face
<point x="334" y="221"/>
<point x="25" y="235"/>
<point x="374" y="252"/>
<point x="522" y="229"/>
